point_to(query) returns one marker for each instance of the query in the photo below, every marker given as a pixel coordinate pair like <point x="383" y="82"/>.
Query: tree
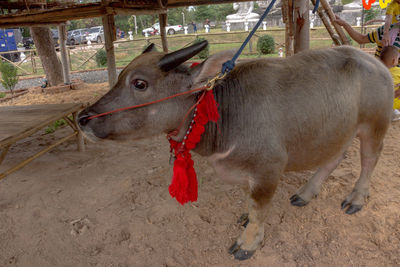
<point x="9" y="77"/>
<point x="202" y="13"/>
<point x="122" y="22"/>
<point x="213" y="12"/>
<point x="175" y="16"/>
<point x="143" y="21"/>
<point x="372" y="13"/>
<point x="45" y="47"/>
<point x="223" y="10"/>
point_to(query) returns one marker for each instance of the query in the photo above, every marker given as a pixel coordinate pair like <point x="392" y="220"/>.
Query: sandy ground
<point x="110" y="206"/>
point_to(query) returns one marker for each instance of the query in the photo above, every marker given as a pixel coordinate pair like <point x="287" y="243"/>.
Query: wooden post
<point x="163" y="23"/>
<point x="62" y="35"/>
<point x="79" y="136"/>
<point x="69" y="58"/>
<point x="34" y="62"/>
<point x="109" y="36"/>
<point x="302" y="25"/>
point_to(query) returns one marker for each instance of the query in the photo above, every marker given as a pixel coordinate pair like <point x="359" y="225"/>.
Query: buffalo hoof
<point x="353" y="207"/>
<point x="296" y="200"/>
<point x="239" y="253"/>
<point x="243" y="220"/>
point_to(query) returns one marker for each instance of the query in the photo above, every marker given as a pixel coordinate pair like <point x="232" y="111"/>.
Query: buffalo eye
<point x="139" y="84"/>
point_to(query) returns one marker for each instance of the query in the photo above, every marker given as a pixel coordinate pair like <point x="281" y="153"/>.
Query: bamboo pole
<point x="62" y="33"/>
<point x="109" y="36"/>
<point x="26" y="59"/>
<point x="69" y="58"/>
<point x="325" y="21"/>
<point x="79" y="136"/>
<point x="332" y="18"/>
<point x="23" y="163"/>
<point x="163" y="23"/>
<point x="91" y="57"/>
<point x="4" y="153"/>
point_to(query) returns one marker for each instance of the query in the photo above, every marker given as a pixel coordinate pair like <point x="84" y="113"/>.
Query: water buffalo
<point x="276" y="115"/>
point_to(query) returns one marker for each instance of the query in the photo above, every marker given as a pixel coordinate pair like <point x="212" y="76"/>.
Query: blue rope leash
<point x="230" y="64"/>
<point x="316" y="6"/>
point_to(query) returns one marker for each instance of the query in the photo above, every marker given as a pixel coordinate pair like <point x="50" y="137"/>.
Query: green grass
<point x="2" y="94"/>
<point x="54" y="126"/>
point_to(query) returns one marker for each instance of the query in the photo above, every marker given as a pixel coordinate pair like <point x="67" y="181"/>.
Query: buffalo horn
<point x="174" y="59"/>
<point x="150" y="48"/>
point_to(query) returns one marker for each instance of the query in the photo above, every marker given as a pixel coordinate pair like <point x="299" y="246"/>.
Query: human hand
<point x="386" y="39"/>
<point x="397" y="93"/>
<point x="340" y="21"/>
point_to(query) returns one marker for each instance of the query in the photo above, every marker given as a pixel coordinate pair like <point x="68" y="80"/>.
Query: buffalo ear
<point x="210" y="67"/>
<point x="150" y="48"/>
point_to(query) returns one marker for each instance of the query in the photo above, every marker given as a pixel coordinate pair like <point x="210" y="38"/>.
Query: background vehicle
<point x="78" y="36"/>
<point x="96" y="34"/>
<point x="8" y="42"/>
<point x="169" y="29"/>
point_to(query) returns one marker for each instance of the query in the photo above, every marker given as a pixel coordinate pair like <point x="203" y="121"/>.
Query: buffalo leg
<point x="371" y="144"/>
<point x="313" y="186"/>
<point x="261" y="193"/>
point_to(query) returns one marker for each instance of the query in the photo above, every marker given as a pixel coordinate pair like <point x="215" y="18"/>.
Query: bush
<point x="205" y="52"/>
<point x="2" y="94"/>
<point x="9" y="78"/>
<point x="101" y="58"/>
<point x="266" y="44"/>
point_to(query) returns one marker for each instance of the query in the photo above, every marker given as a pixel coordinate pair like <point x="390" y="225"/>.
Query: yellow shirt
<point x="395" y="71"/>
<point x="393" y="9"/>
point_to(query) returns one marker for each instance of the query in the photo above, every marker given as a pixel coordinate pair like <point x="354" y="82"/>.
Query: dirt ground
<point x="109" y="206"/>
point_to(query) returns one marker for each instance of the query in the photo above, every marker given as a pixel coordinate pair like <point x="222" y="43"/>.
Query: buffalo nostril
<point x="84" y="120"/>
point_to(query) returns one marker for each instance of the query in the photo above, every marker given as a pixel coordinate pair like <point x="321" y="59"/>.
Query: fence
<point x="82" y="57"/>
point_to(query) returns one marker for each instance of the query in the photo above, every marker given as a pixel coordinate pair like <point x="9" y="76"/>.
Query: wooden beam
<point x="163" y="23"/>
<point x="28" y="24"/>
<point x="325" y="21"/>
<point x="109" y="36"/>
<point x="183" y="3"/>
<point x="332" y="18"/>
<point x="302" y="25"/>
<point x="51" y="16"/>
<point x="134" y="11"/>
<point x="62" y="35"/>
<point x="23" y="163"/>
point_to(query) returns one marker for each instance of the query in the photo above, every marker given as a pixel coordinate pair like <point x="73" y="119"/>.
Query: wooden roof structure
<point x="15" y="13"/>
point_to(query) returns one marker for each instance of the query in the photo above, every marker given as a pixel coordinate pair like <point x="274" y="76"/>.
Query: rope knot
<point x="228" y="66"/>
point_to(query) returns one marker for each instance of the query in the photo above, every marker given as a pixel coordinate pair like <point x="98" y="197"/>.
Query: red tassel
<point x="211" y="106"/>
<point x="184" y="181"/>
